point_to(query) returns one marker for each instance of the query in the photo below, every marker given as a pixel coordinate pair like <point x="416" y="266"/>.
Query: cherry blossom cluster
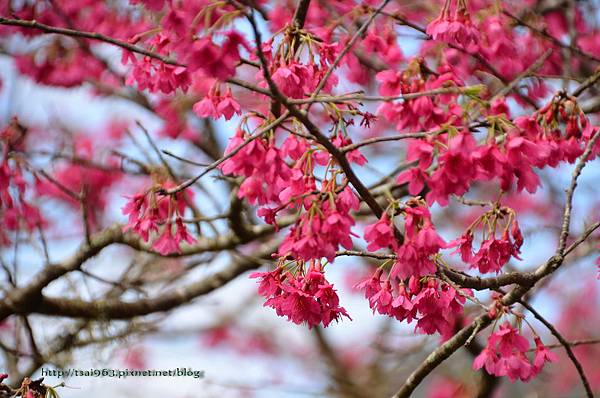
<point x="454" y="26"/>
<point x="262" y="164"/>
<point x="63" y="62"/>
<point x="420" y="241"/>
<point x="154" y="76"/>
<point x="302" y="295"/>
<point x="201" y="56"/>
<point x="505" y="355"/>
<point x="493" y="253"/>
<point x="215" y="105"/>
<point x="153" y="213"/>
<point x="424" y="112"/>
<point x="450" y="163"/>
<point x="435" y="305"/>
<point x="322" y="228"/>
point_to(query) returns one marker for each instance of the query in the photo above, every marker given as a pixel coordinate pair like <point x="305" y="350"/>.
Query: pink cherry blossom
<point x="167" y="243"/>
<point x="504" y="355"/>
<point x="307" y="298"/>
<point x="381" y="234"/>
<point x="542" y="355"/>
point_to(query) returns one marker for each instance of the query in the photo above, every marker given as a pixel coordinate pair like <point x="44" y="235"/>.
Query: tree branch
<point x="565" y="344"/>
<point x="87" y="35"/>
<point x="300" y="14"/>
<point x="118" y="309"/>
<point x="25" y="299"/>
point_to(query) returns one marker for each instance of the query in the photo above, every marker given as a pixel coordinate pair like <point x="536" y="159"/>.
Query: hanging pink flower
<point x="456" y="29"/>
<point x="167" y="243"/>
<point x="215" y="105"/>
<point x="542" y="355"/>
<point x="307" y="298"/>
<point x="381" y="234"/>
<point x="504" y="355"/>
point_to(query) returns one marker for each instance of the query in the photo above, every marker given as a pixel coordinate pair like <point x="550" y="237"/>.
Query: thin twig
<point x="573" y="343"/>
<point x="565" y="344"/>
<point x="181" y="159"/>
<point x="570" y="192"/>
<point x="587" y="83"/>
<point x="398" y="137"/>
<point x="234" y="152"/>
<point x="380" y="98"/>
<point x="88" y="35"/>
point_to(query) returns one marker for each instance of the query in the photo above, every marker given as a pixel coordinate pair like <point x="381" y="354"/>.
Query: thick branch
<point x="26" y="298"/>
<point x="300" y="14"/>
<point x="118" y="309"/>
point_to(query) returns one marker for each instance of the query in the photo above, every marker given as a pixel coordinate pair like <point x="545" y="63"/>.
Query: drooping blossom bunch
<point x="216" y="105"/>
<point x="294" y="76"/>
<point x="414" y="250"/>
<point x="154" y="76"/>
<point x="324" y="223"/>
<point x="454" y="26"/>
<point x="63" y="67"/>
<point x="152" y="212"/>
<point x="421" y="242"/>
<point x="65" y="61"/>
<point x="450" y="163"/>
<point x="493" y="252"/>
<point x="323" y="227"/>
<point x="432" y="303"/>
<point x="263" y="166"/>
<point x="423" y="112"/>
<point x="200" y="57"/>
<point x="301" y="295"/>
<point x="505" y="355"/>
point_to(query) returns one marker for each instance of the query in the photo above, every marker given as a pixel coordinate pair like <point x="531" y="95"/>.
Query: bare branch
<point x="118" y="309"/>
